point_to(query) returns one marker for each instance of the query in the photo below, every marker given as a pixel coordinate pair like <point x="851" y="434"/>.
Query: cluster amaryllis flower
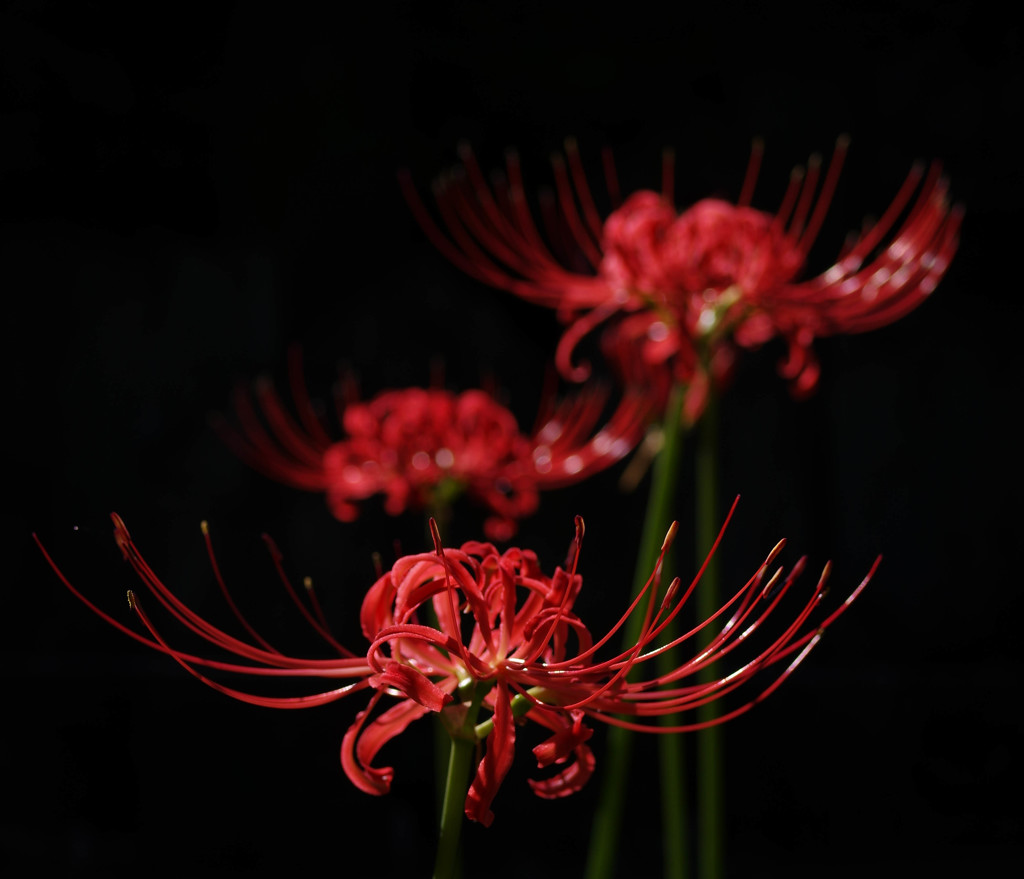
<point x="681" y="289"/>
<point x="422" y="447"/>
<point x="482" y="627"/>
<point x="475" y="629"/>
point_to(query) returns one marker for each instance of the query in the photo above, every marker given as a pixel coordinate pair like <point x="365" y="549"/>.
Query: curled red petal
<point x="500" y="748"/>
<point x="569" y="780"/>
<point x="413" y="684"/>
<point x="360" y="746"/>
<point x="565" y="740"/>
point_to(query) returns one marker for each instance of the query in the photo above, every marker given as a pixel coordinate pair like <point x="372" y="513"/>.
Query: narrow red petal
<point x="500" y="748"/>
<point x="412" y="684"/>
<point x="360" y="746"/>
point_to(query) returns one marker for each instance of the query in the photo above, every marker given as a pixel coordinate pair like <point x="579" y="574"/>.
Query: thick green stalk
<point x="604" y="838"/>
<point x="710" y="801"/>
<point x="460" y="758"/>
<point x="674" y="823"/>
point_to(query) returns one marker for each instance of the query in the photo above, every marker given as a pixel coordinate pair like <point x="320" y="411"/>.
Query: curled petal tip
<point x="580" y="373"/>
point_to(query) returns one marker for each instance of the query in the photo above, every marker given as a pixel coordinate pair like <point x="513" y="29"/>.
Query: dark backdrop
<point x="188" y="191"/>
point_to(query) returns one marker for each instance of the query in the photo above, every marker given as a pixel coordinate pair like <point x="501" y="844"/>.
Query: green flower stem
<point x="442" y="762"/>
<point x="711" y="807"/>
<point x="674" y="819"/>
<point x="463" y="744"/>
<point x="604" y="838"/>
<point x="520" y="706"/>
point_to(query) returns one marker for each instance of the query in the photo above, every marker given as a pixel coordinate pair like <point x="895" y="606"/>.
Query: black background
<point x="188" y="190"/>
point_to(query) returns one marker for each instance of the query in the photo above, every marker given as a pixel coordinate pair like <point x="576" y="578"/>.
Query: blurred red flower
<point x="681" y="289"/>
<point x="423" y="447"/>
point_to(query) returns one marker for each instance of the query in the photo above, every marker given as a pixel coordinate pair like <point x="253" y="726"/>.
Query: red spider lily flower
<point x="475" y="623"/>
<point x="684" y="287"/>
<point x="419" y="446"/>
<point x="474" y="626"/>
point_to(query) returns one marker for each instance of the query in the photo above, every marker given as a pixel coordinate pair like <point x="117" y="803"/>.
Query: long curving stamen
<point x="574" y="558"/>
<point x="215" y="566"/>
<point x="195" y="623"/>
<point x="307" y="584"/>
<point x="579" y="179"/>
<point x="626" y="666"/>
<point x="719" y="719"/>
<point x="288" y="434"/>
<point x="611" y="178"/>
<point x="668" y="175"/>
<point x="455" y="635"/>
<point x="277" y="558"/>
<point x="286" y="667"/>
<point x="586" y="243"/>
<point x="310" y="701"/>
<point x="781" y="218"/>
<point x="810" y="183"/>
<point x="300" y="396"/>
<point x="520" y="209"/>
<point x="825" y="196"/>
<point x="753" y="167"/>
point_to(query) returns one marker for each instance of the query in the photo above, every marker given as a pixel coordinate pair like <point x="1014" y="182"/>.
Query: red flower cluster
<point x="451" y="628"/>
<point x="686" y="287"/>
<point x="418" y="447"/>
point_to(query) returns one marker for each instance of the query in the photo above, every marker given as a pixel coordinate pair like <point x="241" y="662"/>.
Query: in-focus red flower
<point x="420" y="446"/>
<point x="450" y="626"/>
<point x="475" y="626"/>
<point x="685" y="287"/>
